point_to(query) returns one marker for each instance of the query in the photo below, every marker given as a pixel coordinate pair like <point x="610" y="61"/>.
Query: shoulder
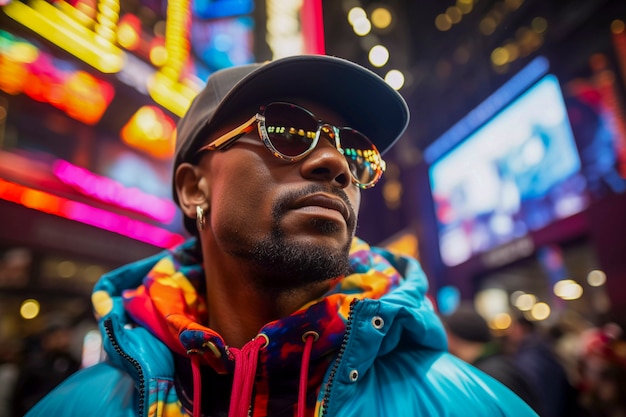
<point x="461" y="389"/>
<point x="101" y="390"/>
<point x="428" y="383"/>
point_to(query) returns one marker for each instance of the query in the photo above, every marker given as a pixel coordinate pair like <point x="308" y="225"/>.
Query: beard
<point x="285" y="265"/>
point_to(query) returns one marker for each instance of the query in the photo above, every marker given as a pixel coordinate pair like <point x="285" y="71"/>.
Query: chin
<point x="296" y="262"/>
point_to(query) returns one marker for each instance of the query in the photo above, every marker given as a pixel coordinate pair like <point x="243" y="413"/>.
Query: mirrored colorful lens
<point x="292" y="130"/>
<point x="289" y="128"/>
<point x="364" y="160"/>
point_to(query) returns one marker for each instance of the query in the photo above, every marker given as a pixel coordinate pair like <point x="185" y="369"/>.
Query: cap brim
<point x="365" y="100"/>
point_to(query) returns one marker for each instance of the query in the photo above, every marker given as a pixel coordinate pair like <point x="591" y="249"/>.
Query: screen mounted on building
<point x="517" y="173"/>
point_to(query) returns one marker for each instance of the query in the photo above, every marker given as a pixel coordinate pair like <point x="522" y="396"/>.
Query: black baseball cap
<point x="361" y="97"/>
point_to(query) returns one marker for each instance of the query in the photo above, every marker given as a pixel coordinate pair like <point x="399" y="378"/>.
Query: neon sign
<point x="150" y="131"/>
<point x="165" y="86"/>
<point x="70" y="29"/>
<point x="112" y="192"/>
<point x="91" y="36"/>
<point x="44" y="78"/>
<point x="83" y="213"/>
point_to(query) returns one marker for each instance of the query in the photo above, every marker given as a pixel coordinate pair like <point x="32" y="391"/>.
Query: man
<point x="536" y="358"/>
<point x="276" y="308"/>
<point x="470" y="339"/>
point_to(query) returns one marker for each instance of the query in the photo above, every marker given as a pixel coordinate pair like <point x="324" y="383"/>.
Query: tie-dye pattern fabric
<point x="170" y="303"/>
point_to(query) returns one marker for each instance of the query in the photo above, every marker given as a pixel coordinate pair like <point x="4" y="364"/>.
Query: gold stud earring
<point x="200" y="220"/>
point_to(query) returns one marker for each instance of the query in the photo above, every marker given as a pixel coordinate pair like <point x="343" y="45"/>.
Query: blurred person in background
<point x="46" y="362"/>
<point x="9" y="371"/>
<point x="603" y="371"/>
<point x="536" y="358"/>
<point x="275" y="308"/>
<point x="470" y="339"/>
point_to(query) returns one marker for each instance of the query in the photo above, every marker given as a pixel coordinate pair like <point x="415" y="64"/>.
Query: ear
<point x="192" y="188"/>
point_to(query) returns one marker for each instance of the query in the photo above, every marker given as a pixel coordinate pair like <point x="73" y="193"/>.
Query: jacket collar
<point x="395" y="281"/>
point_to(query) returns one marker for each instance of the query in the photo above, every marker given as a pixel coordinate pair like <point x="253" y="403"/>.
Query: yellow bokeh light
<point x="618" y="26"/>
<point x="381" y="18"/>
<point x="159" y="28"/>
<point x="513" y="5"/>
<point x="127" y="36"/>
<point x="573" y="292"/>
<point x="148" y="122"/>
<point x="559" y="286"/>
<point x="596" y="278"/>
<point x="392" y="192"/>
<point x="66" y="269"/>
<point x="513" y="50"/>
<point x="501" y="321"/>
<point x="22" y="52"/>
<point x="454" y="13"/>
<point x="525" y="302"/>
<point x="539" y="24"/>
<point x="568" y="289"/>
<point x="540" y="311"/>
<point x="487" y="26"/>
<point x="515" y="295"/>
<point x="158" y="55"/>
<point x="443" y="22"/>
<point x="465" y="6"/>
<point x="500" y="56"/>
<point x="29" y="309"/>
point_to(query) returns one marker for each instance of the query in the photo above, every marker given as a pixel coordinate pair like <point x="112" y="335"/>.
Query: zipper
<point x="108" y="327"/>
<point x="342" y="349"/>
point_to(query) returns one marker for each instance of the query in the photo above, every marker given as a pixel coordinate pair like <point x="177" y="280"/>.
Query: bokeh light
<point x="29" y="309"/>
<point x="596" y="278"/>
<point x="381" y="18"/>
<point x="395" y="79"/>
<point x="378" y="55"/>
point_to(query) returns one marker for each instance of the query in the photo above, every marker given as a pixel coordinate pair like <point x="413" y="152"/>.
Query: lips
<point x="325" y="201"/>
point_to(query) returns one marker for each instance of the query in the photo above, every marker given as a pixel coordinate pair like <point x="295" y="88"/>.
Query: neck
<point x="238" y="308"/>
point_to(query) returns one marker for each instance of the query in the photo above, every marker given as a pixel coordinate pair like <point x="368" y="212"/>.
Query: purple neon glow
<point x="109" y="191"/>
<point x="59" y="206"/>
<point x="123" y="225"/>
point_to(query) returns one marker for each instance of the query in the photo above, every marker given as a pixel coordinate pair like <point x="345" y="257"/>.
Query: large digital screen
<point x="517" y="173"/>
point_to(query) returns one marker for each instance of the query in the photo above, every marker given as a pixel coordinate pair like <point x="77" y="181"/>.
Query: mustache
<point x="288" y="198"/>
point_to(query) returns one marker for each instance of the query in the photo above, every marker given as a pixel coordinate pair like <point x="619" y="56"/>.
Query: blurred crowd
<point x="559" y="371"/>
<point x="31" y="368"/>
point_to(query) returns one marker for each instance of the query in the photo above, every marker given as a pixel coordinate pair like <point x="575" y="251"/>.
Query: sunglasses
<point x="291" y="132"/>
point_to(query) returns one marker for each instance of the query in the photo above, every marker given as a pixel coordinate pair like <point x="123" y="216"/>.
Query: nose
<point x="326" y="163"/>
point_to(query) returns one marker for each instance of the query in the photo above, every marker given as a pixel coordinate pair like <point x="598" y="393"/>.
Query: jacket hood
<point x="163" y="294"/>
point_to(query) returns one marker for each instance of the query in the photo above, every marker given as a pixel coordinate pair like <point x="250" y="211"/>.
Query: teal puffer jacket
<point x="393" y="362"/>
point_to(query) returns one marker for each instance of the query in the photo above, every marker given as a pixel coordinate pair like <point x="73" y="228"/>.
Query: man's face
<point x="293" y="220"/>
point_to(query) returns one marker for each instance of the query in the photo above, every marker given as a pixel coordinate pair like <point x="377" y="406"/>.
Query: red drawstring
<point x="309" y="338"/>
<point x="197" y="384"/>
<point x="246" y="360"/>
